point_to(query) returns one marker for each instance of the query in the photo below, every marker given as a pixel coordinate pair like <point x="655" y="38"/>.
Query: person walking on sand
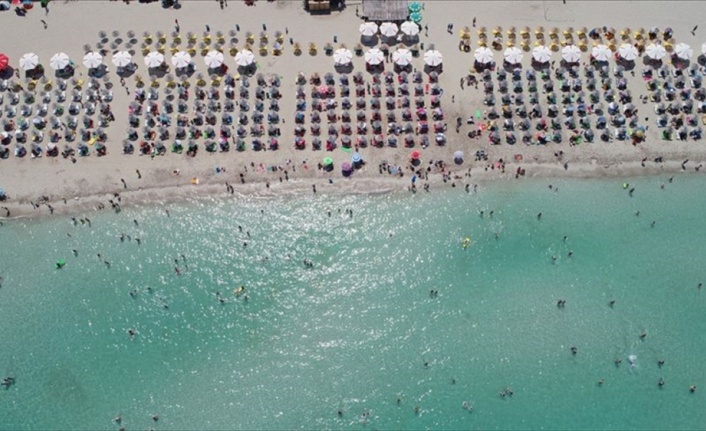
<point x="44" y="23"/>
<point x="176" y="25"/>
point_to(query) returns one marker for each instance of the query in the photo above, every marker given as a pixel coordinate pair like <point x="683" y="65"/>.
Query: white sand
<point x="91" y="179"/>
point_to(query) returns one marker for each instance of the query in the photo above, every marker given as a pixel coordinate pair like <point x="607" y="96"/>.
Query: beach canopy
<point x="374" y="56"/>
<point x="433" y="58"/>
<point x="541" y="54"/>
<point x="402" y="57"/>
<point x="342" y="56"/>
<point x="683" y="51"/>
<point x="483" y="55"/>
<point x="213" y="59"/>
<point x="368" y="29"/>
<point x="4" y="61"/>
<point x="571" y="53"/>
<point x="513" y="55"/>
<point x="628" y="52"/>
<point x="122" y="58"/>
<point x="655" y="51"/>
<point x="92" y="60"/>
<point x="409" y="28"/>
<point x="59" y="61"/>
<point x="601" y="53"/>
<point x="181" y="59"/>
<point x="388" y="29"/>
<point x="244" y="58"/>
<point x="154" y="59"/>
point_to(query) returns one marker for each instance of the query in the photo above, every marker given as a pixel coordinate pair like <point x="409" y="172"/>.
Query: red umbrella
<point x="415" y="155"/>
<point x="4" y="61"/>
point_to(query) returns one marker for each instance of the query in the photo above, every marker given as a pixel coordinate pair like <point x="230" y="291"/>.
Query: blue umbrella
<point x="355" y="158"/>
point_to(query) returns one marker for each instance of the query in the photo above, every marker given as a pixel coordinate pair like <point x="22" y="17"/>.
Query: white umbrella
<point x="213" y="59"/>
<point x="181" y="59"/>
<point x="122" y="58"/>
<point x="703" y="48"/>
<point x="244" y="58"/>
<point x="154" y="59"/>
<point x="388" y="29"/>
<point x="368" y="29"/>
<point x="402" y="57"/>
<point x="601" y="53"/>
<point x="541" y="54"/>
<point x="433" y="58"/>
<point x="513" y="55"/>
<point x="571" y="53"/>
<point x="683" y="51"/>
<point x="29" y="61"/>
<point x="342" y="56"/>
<point x="409" y="28"/>
<point x="92" y="60"/>
<point x="655" y="52"/>
<point x="628" y="52"/>
<point x="59" y="61"/>
<point x="374" y="56"/>
<point x="483" y="55"/>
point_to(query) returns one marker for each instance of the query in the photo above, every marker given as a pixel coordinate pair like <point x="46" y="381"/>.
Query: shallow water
<point x="359" y="330"/>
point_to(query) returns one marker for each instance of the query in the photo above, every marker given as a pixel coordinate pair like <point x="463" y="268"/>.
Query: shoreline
<point x="181" y="192"/>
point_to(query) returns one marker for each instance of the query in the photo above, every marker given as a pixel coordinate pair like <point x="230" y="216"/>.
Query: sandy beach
<point x="91" y="180"/>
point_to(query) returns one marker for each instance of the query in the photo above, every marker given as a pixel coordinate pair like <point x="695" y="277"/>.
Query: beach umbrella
<point x="59" y="61"/>
<point x="181" y="59"/>
<point x="213" y="59"/>
<point x="244" y="58"/>
<point x="683" y="51"/>
<point x="571" y="53"/>
<point x="513" y="55"/>
<point x="601" y="53"/>
<point x="374" y="56"/>
<point x="541" y="54"/>
<point x="655" y="52"/>
<point x="415" y="17"/>
<point x="388" y="29"/>
<point x="328" y="161"/>
<point x="433" y="58"/>
<point x="368" y="29"/>
<point x="402" y="57"/>
<point x="29" y="61"/>
<point x="628" y="52"/>
<point x="122" y="58"/>
<point x="409" y="28"/>
<point x="3" y="61"/>
<point x="342" y="56"/>
<point x="92" y="60"/>
<point x="154" y="59"/>
<point x="483" y="55"/>
<point x="458" y="157"/>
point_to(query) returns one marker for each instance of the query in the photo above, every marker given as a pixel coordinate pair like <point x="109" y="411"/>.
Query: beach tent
<point x="483" y="55"/>
<point x="571" y="53"/>
<point x="374" y="56"/>
<point x="409" y="28"/>
<point x="388" y="29"/>
<point x="59" y="61"/>
<point x="513" y="55"/>
<point x="655" y="51"/>
<point x="244" y="58"/>
<point x="402" y="57"/>
<point x="213" y="59"/>
<point x="628" y="52"/>
<point x="541" y="54"/>
<point x="122" y="58"/>
<point x="342" y="56"/>
<point x="92" y="60"/>
<point x="601" y="53"/>
<point x="154" y="59"/>
<point x="368" y="29"/>
<point x="433" y="58"/>
<point x="683" y="51"/>
<point x="181" y="59"/>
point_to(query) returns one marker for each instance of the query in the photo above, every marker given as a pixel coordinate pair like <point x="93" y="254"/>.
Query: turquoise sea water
<point x="359" y="330"/>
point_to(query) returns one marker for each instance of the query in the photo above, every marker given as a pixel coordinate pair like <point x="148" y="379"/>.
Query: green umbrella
<point x="328" y="161"/>
<point x="415" y="7"/>
<point x="415" y="17"/>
